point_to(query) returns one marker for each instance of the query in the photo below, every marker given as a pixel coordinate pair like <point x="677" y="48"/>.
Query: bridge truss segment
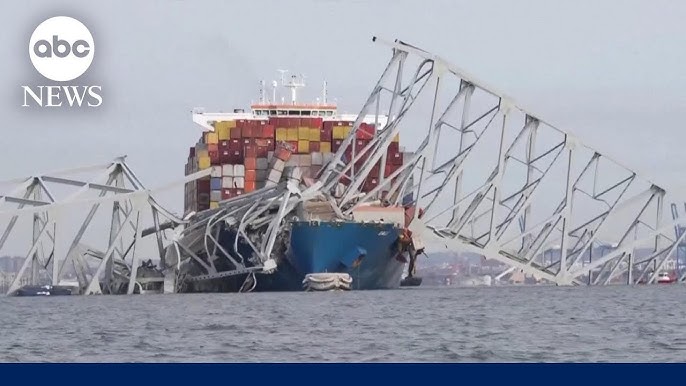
<point x="51" y="208"/>
<point x="493" y="178"/>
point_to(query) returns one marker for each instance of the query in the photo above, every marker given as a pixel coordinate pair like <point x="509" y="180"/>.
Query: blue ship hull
<point x="368" y="252"/>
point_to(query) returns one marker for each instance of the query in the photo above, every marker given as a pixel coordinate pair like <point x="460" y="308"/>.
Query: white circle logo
<point x="61" y="48"/>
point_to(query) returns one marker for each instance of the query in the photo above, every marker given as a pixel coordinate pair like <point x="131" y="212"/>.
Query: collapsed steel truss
<point x="56" y="244"/>
<point x="489" y="177"/>
<point x="497" y="180"/>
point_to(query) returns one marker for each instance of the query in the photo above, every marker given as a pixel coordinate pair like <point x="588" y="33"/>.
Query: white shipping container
<point x="328" y="157"/>
<point x="317" y="159"/>
<point x="261" y="175"/>
<point x="238" y="170"/>
<point x="294" y="160"/>
<point x="227" y="170"/>
<point x="270" y="183"/>
<point x="305" y="160"/>
<point x="270" y="155"/>
<point x="227" y="182"/>
<point x="216" y="171"/>
<point x="262" y="164"/>
<point x="239" y="182"/>
<point x="278" y="165"/>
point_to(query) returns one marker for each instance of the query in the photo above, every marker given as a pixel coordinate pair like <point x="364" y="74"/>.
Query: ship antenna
<point x="263" y="97"/>
<point x="274" y="84"/>
<point x="324" y="93"/>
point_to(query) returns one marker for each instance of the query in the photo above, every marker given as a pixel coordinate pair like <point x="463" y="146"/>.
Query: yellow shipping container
<point x="325" y="147"/>
<point x="223" y="133"/>
<point x="339" y="132"/>
<point x="203" y="162"/>
<point x="396" y="138"/>
<point x="281" y="134"/>
<point x="303" y="146"/>
<point x="214" y="204"/>
<point x="201" y="153"/>
<point x="292" y="134"/>
<point x="303" y="133"/>
<point x="211" y="138"/>
<point x="315" y="134"/>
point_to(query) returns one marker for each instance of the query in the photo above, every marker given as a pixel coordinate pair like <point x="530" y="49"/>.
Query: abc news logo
<point x="61" y="49"/>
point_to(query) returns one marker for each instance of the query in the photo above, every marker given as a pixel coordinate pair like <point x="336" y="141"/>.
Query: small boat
<point x="665" y="278"/>
<point x="43" y="290"/>
<point x="327" y="282"/>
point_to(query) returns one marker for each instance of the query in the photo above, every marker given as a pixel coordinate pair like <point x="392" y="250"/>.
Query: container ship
<point x="273" y="142"/>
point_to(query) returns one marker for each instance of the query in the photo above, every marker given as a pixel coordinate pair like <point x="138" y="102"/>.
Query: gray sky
<point x="611" y="72"/>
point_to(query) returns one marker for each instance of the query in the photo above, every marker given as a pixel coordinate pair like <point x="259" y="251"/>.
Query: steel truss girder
<point x="601" y="204"/>
<point x="113" y="183"/>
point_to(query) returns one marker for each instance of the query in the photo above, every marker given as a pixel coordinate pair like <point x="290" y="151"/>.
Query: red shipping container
<point x="248" y="132"/>
<point x="370" y="183"/>
<point x="360" y="144"/>
<point x="250" y="186"/>
<point x="241" y="123"/>
<point x="268" y="131"/>
<point x="395" y="158"/>
<point x="235" y="132"/>
<point x="225" y="156"/>
<point x="248" y="141"/>
<point x="282" y="153"/>
<point x="325" y="133"/>
<point x="226" y="194"/>
<point x="293" y="122"/>
<point x="390" y="169"/>
<point x="214" y="157"/>
<point x="250" y="175"/>
<point x="250" y="163"/>
<point x="394" y="147"/>
<point x="328" y="125"/>
<point x="270" y="144"/>
<point x="314" y="146"/>
<point x="236" y="144"/>
<point x="274" y="121"/>
<point x="250" y="151"/>
<point x="336" y="144"/>
<point x="204" y="185"/>
<point x="262" y="151"/>
<point x="364" y="132"/>
<point x="316" y="122"/>
<point x="237" y="192"/>
<point x="236" y="158"/>
<point x="224" y="144"/>
<point x="212" y="147"/>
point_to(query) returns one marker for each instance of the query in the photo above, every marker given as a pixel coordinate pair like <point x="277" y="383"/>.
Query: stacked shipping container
<point x="246" y="155"/>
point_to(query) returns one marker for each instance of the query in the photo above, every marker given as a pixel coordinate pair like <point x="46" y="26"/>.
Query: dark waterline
<point x="502" y="324"/>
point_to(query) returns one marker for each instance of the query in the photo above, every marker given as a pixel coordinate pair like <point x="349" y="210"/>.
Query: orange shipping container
<point x="250" y="186"/>
<point x="250" y="175"/>
<point x="250" y="163"/>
